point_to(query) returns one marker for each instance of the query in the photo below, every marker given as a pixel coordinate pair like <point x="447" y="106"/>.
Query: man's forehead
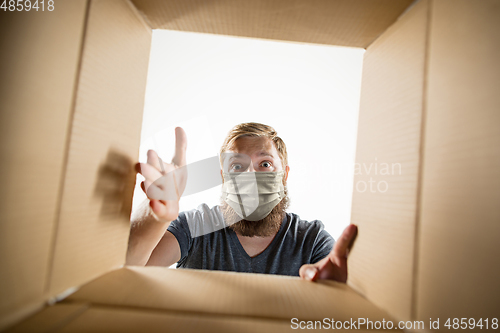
<point x="234" y="155"/>
<point x="254" y="146"/>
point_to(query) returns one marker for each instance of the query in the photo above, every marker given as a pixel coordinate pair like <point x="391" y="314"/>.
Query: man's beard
<point x="268" y="226"/>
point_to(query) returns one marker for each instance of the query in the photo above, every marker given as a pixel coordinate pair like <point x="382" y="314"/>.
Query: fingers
<point x="341" y="247"/>
<point x="148" y="171"/>
<point x="154" y="192"/>
<point x="154" y="168"/>
<point x="325" y="269"/>
<point x="164" y="182"/>
<point x="165" y="210"/>
<point x="164" y="188"/>
<point x="154" y="160"/>
<point x="179" y="158"/>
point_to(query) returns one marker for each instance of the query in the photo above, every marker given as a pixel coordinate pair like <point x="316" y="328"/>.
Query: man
<point x="250" y="231"/>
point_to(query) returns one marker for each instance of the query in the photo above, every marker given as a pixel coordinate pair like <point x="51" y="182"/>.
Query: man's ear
<point x="287" y="170"/>
<point x="221" y="176"/>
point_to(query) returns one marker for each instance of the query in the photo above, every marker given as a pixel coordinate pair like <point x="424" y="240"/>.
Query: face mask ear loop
<point x="239" y="197"/>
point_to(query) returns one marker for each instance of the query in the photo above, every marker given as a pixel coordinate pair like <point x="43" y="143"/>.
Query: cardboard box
<point x="71" y="100"/>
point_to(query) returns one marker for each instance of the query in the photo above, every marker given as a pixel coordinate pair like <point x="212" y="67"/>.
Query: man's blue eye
<point x="266" y="164"/>
<point x="236" y="166"/>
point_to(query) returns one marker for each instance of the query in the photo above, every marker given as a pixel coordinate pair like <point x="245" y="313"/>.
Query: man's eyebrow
<point x="265" y="153"/>
<point x="234" y="156"/>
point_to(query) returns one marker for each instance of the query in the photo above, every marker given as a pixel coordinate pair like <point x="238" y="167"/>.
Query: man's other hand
<point x="334" y="266"/>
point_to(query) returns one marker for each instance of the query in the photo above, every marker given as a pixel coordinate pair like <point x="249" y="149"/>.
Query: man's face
<point x="255" y="154"/>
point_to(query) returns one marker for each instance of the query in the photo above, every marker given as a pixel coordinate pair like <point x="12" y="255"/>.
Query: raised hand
<point x="333" y="266"/>
<point x="165" y="182"/>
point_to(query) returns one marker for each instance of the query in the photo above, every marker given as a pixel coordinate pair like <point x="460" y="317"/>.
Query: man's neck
<point x="254" y="246"/>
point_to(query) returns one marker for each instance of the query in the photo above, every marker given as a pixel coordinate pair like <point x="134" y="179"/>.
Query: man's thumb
<point x="308" y="272"/>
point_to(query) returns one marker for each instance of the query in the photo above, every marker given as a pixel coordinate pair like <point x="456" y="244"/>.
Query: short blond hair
<point x="256" y="130"/>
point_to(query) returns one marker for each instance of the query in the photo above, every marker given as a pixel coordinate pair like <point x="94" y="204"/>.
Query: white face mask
<point x="253" y="195"/>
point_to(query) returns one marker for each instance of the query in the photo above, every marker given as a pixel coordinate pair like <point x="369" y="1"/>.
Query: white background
<point x="308" y="93"/>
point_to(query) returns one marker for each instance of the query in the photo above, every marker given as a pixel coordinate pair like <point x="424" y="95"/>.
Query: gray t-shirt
<point x="207" y="243"/>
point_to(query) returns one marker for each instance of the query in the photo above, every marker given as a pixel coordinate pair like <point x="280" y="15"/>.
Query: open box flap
<point x="158" y="298"/>
<point x="95" y="209"/>
<point x="50" y="319"/>
<point x="39" y="65"/>
<point x="354" y="23"/>
<point x="227" y="293"/>
<point x="78" y="317"/>
<point x="72" y="98"/>
<point x="458" y="270"/>
<point x="386" y="177"/>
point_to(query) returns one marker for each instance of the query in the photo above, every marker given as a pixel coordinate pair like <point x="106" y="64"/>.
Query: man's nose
<point x="250" y="168"/>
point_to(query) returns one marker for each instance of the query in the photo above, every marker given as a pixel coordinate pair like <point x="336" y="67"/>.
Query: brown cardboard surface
<point x="224" y="293"/>
<point x="83" y="318"/>
<point x="50" y="319"/>
<point x="66" y="198"/>
<point x="355" y="23"/>
<point x="94" y="221"/>
<point x="154" y="299"/>
<point x="114" y="319"/>
<point x="389" y="134"/>
<point x="458" y="270"/>
<point x="99" y="319"/>
<point x="38" y="66"/>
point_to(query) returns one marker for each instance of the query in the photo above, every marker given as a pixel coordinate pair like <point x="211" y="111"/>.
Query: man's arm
<point x="167" y="252"/>
<point x="150" y="244"/>
<point x="149" y="224"/>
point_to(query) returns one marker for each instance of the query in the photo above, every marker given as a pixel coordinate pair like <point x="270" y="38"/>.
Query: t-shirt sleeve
<point x="322" y="247"/>
<point x="180" y="229"/>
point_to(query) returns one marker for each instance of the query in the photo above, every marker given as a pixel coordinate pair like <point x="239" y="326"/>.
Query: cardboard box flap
<point x="40" y="54"/>
<point x="355" y="23"/>
<point x="458" y="270"/>
<point x="50" y="319"/>
<point x="95" y="208"/>
<point x="120" y="319"/>
<point x="386" y="181"/>
<point x="226" y="293"/>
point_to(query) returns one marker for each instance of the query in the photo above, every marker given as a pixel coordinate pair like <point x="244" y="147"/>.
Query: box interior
<point x="72" y="100"/>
